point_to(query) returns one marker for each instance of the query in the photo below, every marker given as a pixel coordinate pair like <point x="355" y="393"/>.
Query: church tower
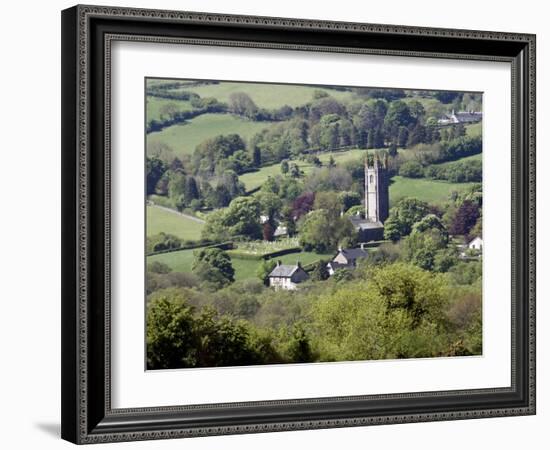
<point x="376" y="190"/>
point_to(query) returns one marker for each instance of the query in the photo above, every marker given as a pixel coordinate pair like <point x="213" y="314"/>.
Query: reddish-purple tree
<point x="303" y="204"/>
<point x="268" y="231"/>
<point x="465" y="218"/>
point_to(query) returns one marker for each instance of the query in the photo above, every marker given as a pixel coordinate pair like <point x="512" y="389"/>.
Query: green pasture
<point x="183" y="138"/>
<point x="155" y="104"/>
<point x="265" y="95"/>
<point x="477" y="157"/>
<point x="160" y="220"/>
<point x="431" y="191"/>
<point x="253" y="180"/>
<point x="154" y="82"/>
<point x="182" y="261"/>
<point x="474" y="129"/>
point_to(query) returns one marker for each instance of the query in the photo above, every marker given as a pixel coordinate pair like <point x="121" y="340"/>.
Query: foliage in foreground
<point x="381" y="311"/>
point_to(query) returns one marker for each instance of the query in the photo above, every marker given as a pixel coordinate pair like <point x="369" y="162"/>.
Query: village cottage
<point x="346" y="259"/>
<point x="476" y="244"/>
<point x="461" y="117"/>
<point x="287" y="277"/>
<point x="472" y="249"/>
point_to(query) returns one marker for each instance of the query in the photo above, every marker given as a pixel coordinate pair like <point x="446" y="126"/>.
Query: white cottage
<point x="476" y="244"/>
<point x="287" y="277"/>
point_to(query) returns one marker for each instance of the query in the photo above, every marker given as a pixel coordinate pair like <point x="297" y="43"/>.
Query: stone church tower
<point x="377" y="201"/>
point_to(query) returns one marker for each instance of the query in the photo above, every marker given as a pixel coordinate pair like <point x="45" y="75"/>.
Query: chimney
<point x="278" y="263"/>
<point x="298" y="264"/>
<point x="340" y="248"/>
<point x="362" y="246"/>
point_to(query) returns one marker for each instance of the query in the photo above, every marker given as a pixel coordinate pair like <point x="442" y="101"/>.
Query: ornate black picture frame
<point x="87" y="35"/>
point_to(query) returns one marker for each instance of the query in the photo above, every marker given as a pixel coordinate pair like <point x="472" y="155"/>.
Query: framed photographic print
<point x="281" y="224"/>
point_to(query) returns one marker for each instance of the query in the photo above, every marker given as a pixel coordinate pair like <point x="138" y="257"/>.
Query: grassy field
<point x="474" y="129"/>
<point x="265" y="95"/>
<point x="244" y="269"/>
<point x="183" y="138"/>
<point x="153" y="82"/>
<point x="178" y="261"/>
<point x="431" y="191"/>
<point x="478" y="157"/>
<point x="154" y="105"/>
<point x="253" y="180"/>
<point x="159" y="220"/>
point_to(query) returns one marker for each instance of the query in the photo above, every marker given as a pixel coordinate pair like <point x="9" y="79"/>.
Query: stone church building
<point x="377" y="201"/>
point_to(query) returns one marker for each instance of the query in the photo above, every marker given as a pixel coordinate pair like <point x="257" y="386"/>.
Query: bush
<point x="158" y="267"/>
<point x="177" y="337"/>
<point x="460" y="147"/>
<point x="458" y="172"/>
<point x="411" y="169"/>
<point x="162" y="242"/>
<point x="158" y="281"/>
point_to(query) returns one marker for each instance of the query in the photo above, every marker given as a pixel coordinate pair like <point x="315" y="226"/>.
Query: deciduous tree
<point x="214" y="266"/>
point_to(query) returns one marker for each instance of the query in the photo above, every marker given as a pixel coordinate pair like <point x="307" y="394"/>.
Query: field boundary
<point x="251" y="256"/>
<point x="228" y="245"/>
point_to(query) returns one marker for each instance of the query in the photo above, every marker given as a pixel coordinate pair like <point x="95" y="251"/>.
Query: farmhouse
<point x="285" y="276"/>
<point x="461" y="117"/>
<point x="377" y="202"/>
<point x="346" y="259"/>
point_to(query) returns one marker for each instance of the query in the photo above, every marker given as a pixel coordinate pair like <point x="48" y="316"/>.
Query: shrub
<point x="162" y="241"/>
<point x="158" y="267"/>
<point x="411" y="169"/>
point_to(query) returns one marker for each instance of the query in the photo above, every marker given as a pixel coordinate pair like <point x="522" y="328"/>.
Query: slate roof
<point x="461" y="117"/>
<point x="468" y="116"/>
<point x="336" y="265"/>
<point x="364" y="224"/>
<point x="353" y="253"/>
<point x="283" y="271"/>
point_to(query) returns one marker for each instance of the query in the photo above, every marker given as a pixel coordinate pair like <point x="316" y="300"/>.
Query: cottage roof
<point x="284" y="270"/>
<point x="353" y="253"/>
<point x="336" y="265"/>
<point x="465" y="116"/>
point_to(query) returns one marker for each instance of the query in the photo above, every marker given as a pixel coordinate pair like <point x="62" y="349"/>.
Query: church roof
<point x="365" y="224"/>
